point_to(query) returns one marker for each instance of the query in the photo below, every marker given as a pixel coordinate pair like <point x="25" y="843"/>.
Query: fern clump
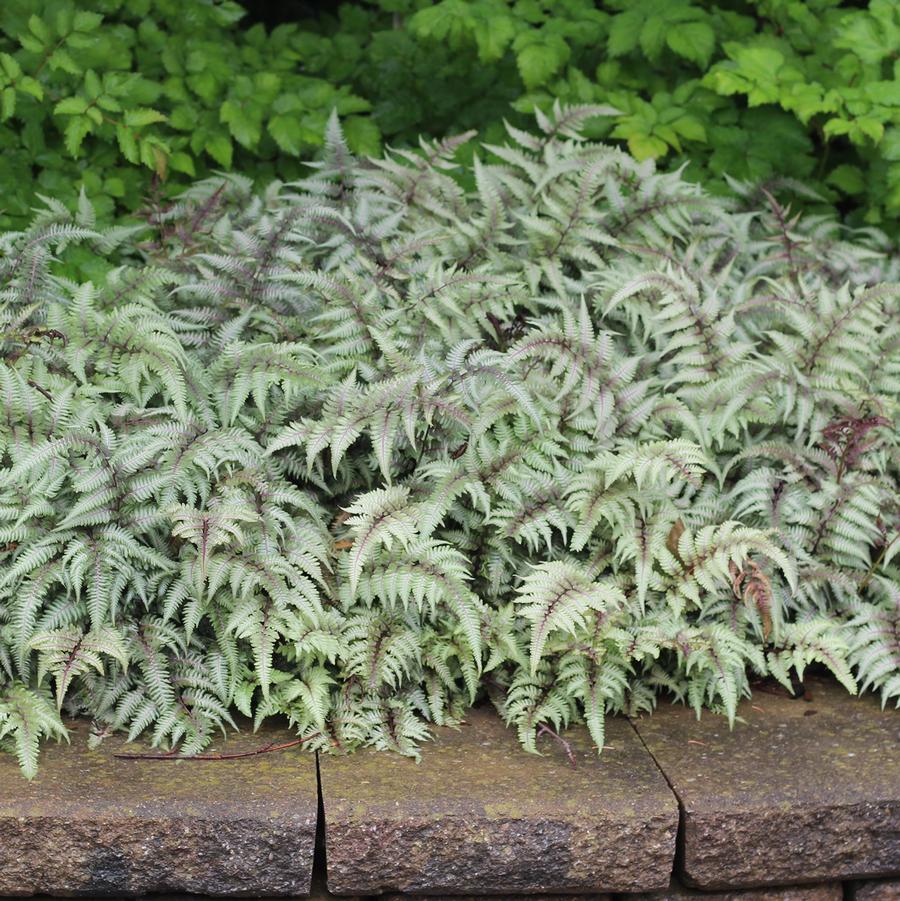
<point x="366" y="447"/>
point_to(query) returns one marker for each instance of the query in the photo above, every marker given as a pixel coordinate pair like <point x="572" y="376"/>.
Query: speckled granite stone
<point x="822" y="891"/>
<point x="799" y="791"/>
<point x="478" y="815"/>
<point x="580" y="897"/>
<point x="877" y="890"/>
<point x="94" y="825"/>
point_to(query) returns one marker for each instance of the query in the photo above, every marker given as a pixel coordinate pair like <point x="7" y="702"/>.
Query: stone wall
<point x="799" y="802"/>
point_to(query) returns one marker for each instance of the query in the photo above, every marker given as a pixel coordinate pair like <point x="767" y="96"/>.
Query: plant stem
<point x="545" y="729"/>
<point x="868" y="576"/>
<point x="268" y="749"/>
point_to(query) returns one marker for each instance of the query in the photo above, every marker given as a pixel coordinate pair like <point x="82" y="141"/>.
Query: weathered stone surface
<point x="401" y="897"/>
<point x="319" y="891"/>
<point x="480" y="816"/>
<point x="95" y="825"/>
<point x="877" y="890"/>
<point x="822" y="891"/>
<point x="801" y="791"/>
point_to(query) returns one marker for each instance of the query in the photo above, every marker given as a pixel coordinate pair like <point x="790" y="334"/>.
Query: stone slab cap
<point x="800" y="791"/>
<point x="95" y="825"/>
<point x="879" y="890"/>
<point x="822" y="891"/>
<point x="478" y="815"/>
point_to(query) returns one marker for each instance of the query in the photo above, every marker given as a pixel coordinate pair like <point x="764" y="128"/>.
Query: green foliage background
<point x="105" y="96"/>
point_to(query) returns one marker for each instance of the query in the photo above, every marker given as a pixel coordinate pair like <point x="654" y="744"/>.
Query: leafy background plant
<point x="756" y="90"/>
<point x="103" y="95"/>
<point x="366" y="448"/>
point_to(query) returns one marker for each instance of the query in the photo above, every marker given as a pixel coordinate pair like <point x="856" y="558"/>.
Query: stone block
<point x="92" y="824"/>
<point x="478" y="815"/>
<point x="823" y="891"/>
<point x="877" y="890"/>
<point x="799" y="791"/>
<point x="401" y="897"/>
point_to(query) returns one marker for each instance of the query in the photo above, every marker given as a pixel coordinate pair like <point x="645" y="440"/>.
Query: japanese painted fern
<point x="362" y="449"/>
